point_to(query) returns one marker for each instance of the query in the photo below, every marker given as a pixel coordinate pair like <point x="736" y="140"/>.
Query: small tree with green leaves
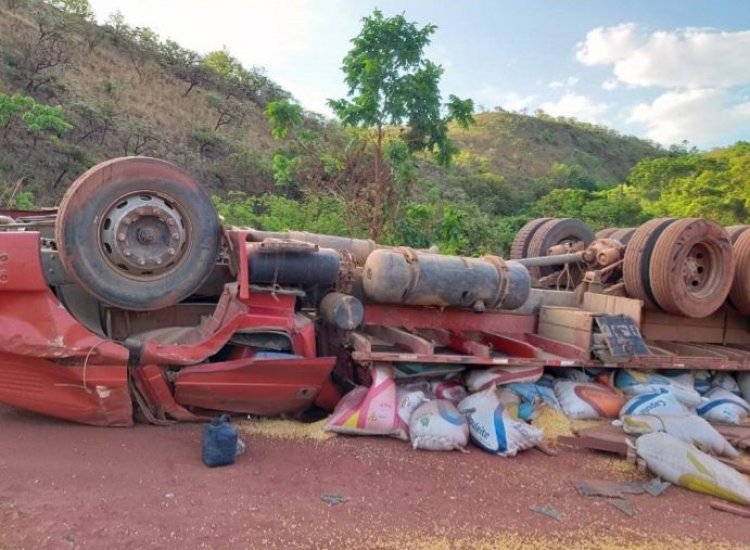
<point x="392" y="84"/>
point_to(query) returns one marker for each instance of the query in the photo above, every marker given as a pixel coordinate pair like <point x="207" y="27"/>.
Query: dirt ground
<point x="69" y="486"/>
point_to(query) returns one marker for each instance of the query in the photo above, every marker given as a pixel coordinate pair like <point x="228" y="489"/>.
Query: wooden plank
<point x="360" y="342"/>
<point x="736" y="328"/>
<point x="539" y="298"/>
<point x="613" y="305"/>
<point x="407" y="340"/>
<point x="656" y="325"/>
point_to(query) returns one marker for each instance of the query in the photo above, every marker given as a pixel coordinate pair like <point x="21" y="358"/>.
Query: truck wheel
<point x="520" y="246"/>
<point x="739" y="295"/>
<point x="605" y="233"/>
<point x="735" y="231"/>
<point x="692" y="267"/>
<point x="623" y="235"/>
<point x="635" y="265"/>
<point x="137" y="233"/>
<point x="554" y="232"/>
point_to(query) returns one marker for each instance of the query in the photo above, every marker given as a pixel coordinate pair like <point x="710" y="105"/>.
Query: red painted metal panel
<point x="152" y="384"/>
<point x="454" y="320"/>
<point x="263" y="386"/>
<point x="90" y="394"/>
<point x="20" y="262"/>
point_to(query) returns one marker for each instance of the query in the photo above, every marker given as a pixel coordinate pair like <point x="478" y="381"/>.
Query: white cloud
<point x="490" y="96"/>
<point x="686" y="58"/>
<point x="576" y="106"/>
<point x="607" y="45"/>
<point x="610" y="84"/>
<point x="564" y="83"/>
<point x="700" y="116"/>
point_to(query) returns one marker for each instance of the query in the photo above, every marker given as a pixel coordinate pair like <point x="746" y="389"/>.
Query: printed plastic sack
<point x="409" y="400"/>
<point x="438" y="426"/>
<point x="633" y="382"/>
<point x="535" y="394"/>
<point x="587" y="400"/>
<point x="417" y="370"/>
<point x="493" y="429"/>
<point x="724" y="406"/>
<point x="684" y="465"/>
<point x="744" y="382"/>
<point x="369" y="411"/>
<point x="576" y="375"/>
<point x="479" y="379"/>
<point x="726" y="381"/>
<point x="514" y="405"/>
<point x="659" y="402"/>
<point x="450" y="390"/>
<point x="702" y="381"/>
<point x="690" y="429"/>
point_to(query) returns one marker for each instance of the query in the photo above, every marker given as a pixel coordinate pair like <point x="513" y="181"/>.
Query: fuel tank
<point x="405" y="276"/>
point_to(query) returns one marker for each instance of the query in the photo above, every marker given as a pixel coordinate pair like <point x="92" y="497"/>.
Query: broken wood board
<point x="607" y="438"/>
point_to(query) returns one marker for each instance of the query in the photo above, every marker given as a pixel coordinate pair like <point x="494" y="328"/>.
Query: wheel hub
<point x="694" y="269"/>
<point x="143" y="235"/>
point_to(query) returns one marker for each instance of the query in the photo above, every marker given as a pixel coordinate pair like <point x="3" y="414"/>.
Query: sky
<point x="667" y="70"/>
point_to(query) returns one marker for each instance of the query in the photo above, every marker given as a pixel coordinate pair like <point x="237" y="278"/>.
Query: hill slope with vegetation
<point x="73" y="93"/>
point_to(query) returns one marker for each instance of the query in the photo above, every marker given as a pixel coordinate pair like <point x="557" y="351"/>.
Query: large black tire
<point x="137" y="258"/>
<point x="739" y="295"/>
<point x="554" y="232"/>
<point x="520" y="246"/>
<point x="692" y="267"/>
<point x="637" y="259"/>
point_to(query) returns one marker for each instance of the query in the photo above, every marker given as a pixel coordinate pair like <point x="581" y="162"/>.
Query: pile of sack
<point x="445" y="407"/>
<point x="444" y="412"/>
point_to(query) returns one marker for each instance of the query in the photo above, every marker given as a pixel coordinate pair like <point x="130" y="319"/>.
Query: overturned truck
<point x="133" y="301"/>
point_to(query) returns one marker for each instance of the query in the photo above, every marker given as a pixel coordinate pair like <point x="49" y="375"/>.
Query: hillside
<point x="123" y="91"/>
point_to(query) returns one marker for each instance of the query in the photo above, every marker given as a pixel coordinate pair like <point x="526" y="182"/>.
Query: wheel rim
<point x="143" y="235"/>
<point x="692" y="268"/>
<point x="697" y="269"/>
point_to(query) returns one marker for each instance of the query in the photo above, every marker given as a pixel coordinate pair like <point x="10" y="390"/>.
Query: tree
<point x="77" y="8"/>
<point x="391" y="83"/>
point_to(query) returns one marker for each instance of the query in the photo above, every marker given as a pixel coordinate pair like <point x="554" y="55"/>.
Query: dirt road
<point x="70" y="486"/>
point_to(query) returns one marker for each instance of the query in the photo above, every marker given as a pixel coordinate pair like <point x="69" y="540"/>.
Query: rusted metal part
<point x="342" y="310"/>
<point x="137" y="233"/>
<point x="739" y="295"/>
<point x="559" y="259"/>
<point x="360" y="249"/>
<point x="405" y="276"/>
<point x="637" y="259"/>
<point x="257" y="386"/>
<point x="692" y="267"/>
<point x="558" y="231"/>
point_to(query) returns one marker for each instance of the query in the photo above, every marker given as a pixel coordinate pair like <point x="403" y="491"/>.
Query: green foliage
<point x="283" y="116"/>
<point x="40" y="119"/>
<point x="714" y="185"/>
<point x="616" y="207"/>
<point x="37" y="118"/>
<point x="77" y="8"/>
<point x="320" y="214"/>
<point x="391" y="83"/>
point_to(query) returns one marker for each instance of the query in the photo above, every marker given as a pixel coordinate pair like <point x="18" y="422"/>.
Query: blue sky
<point x="668" y="70"/>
